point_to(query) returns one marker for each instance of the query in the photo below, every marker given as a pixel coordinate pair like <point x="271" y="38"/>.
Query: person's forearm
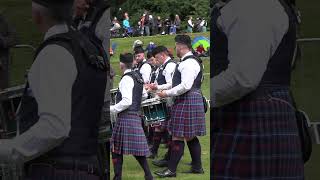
<point x="164" y="86"/>
<point x="48" y="133"/>
<point x="178" y="90"/>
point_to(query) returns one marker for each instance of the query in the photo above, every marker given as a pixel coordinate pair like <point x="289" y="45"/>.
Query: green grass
<point x="131" y="169"/>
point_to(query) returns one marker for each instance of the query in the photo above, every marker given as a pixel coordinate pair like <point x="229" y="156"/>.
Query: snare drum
<point x="154" y="111"/>
<point x="9" y="102"/>
<point x="113" y="93"/>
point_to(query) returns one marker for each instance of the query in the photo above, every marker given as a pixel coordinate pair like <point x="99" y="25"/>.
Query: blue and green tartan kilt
<point x="128" y="136"/>
<point x="187" y="117"/>
<point x="256" y="138"/>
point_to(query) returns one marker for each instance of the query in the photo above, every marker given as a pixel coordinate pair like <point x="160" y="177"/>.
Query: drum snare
<point x="154" y="111"/>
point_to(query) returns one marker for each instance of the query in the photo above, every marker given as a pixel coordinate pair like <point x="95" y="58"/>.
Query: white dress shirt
<point x="189" y="70"/>
<point x="51" y="78"/>
<point x="145" y="71"/>
<point x="252" y="41"/>
<point x="190" y="23"/>
<point x="126" y="86"/>
<point x="168" y="74"/>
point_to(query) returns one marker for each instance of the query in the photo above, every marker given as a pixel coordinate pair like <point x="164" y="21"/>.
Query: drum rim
<point x="155" y="101"/>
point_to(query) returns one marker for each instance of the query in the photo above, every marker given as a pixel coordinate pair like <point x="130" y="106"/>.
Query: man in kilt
<point x="128" y="137"/>
<point x="142" y="66"/>
<point x="187" y="113"/>
<point x="254" y="128"/>
<point x="163" y="82"/>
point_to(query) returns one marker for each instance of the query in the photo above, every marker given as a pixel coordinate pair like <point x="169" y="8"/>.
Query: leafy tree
<point x="164" y="9"/>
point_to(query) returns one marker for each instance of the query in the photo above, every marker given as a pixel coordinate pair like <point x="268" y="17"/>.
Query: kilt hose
<point x="128" y="137"/>
<point x="187" y="117"/>
<point x="256" y="138"/>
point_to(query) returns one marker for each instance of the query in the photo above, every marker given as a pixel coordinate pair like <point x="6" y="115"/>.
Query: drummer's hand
<point x="153" y="86"/>
<point x="162" y="94"/>
<point x="147" y="87"/>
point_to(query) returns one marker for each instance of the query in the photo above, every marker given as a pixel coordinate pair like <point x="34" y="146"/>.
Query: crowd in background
<point x="149" y="25"/>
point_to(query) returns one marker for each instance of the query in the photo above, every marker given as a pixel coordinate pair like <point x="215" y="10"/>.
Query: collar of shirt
<point x="168" y="59"/>
<point x="127" y="71"/>
<point x="56" y="29"/>
<point x="188" y="54"/>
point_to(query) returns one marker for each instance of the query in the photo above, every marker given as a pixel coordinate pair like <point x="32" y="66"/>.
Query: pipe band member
<point x="187" y="113"/>
<point x="128" y="137"/>
<point x="254" y="128"/>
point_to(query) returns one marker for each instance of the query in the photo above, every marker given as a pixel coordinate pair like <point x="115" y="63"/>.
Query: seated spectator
<point x="126" y="22"/>
<point x="115" y="25"/>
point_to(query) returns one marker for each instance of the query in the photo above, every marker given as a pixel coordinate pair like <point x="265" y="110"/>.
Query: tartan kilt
<point x="257" y="138"/>
<point x="187" y="117"/>
<point x="128" y="136"/>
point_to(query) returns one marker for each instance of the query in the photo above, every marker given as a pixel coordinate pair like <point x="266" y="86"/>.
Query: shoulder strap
<point x="193" y="57"/>
<point x="170" y="61"/>
<point x="78" y="45"/>
<point x="135" y="76"/>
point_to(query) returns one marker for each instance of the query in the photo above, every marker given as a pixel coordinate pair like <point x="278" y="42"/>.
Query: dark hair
<point x="128" y="65"/>
<point x="149" y="55"/>
<point x="159" y="49"/>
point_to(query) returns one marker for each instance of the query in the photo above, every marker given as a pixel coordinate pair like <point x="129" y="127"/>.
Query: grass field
<point x="305" y="78"/>
<point x="131" y="168"/>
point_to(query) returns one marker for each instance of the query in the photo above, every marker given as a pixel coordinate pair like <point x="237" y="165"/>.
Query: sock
<point x="195" y="152"/>
<point x="117" y="160"/>
<point x="144" y="164"/>
<point x="177" y="148"/>
<point x="150" y="135"/>
<point x="167" y="155"/>
<point x="156" y="142"/>
<point x="166" y="136"/>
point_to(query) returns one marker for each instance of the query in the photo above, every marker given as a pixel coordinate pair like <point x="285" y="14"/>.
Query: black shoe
<point x="166" y="173"/>
<point x="194" y="171"/>
<point x="160" y="163"/>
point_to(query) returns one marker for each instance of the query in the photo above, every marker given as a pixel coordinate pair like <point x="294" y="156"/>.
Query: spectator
<point x="115" y="25"/>
<point x="7" y="40"/>
<point x="159" y="25"/>
<point x="190" y="25"/>
<point x="177" y="23"/>
<point x="197" y="25"/>
<point x="141" y="24"/>
<point x="203" y="25"/>
<point x="126" y="22"/>
<point x="146" y="24"/>
<point x="167" y="25"/>
<point x="153" y="25"/>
